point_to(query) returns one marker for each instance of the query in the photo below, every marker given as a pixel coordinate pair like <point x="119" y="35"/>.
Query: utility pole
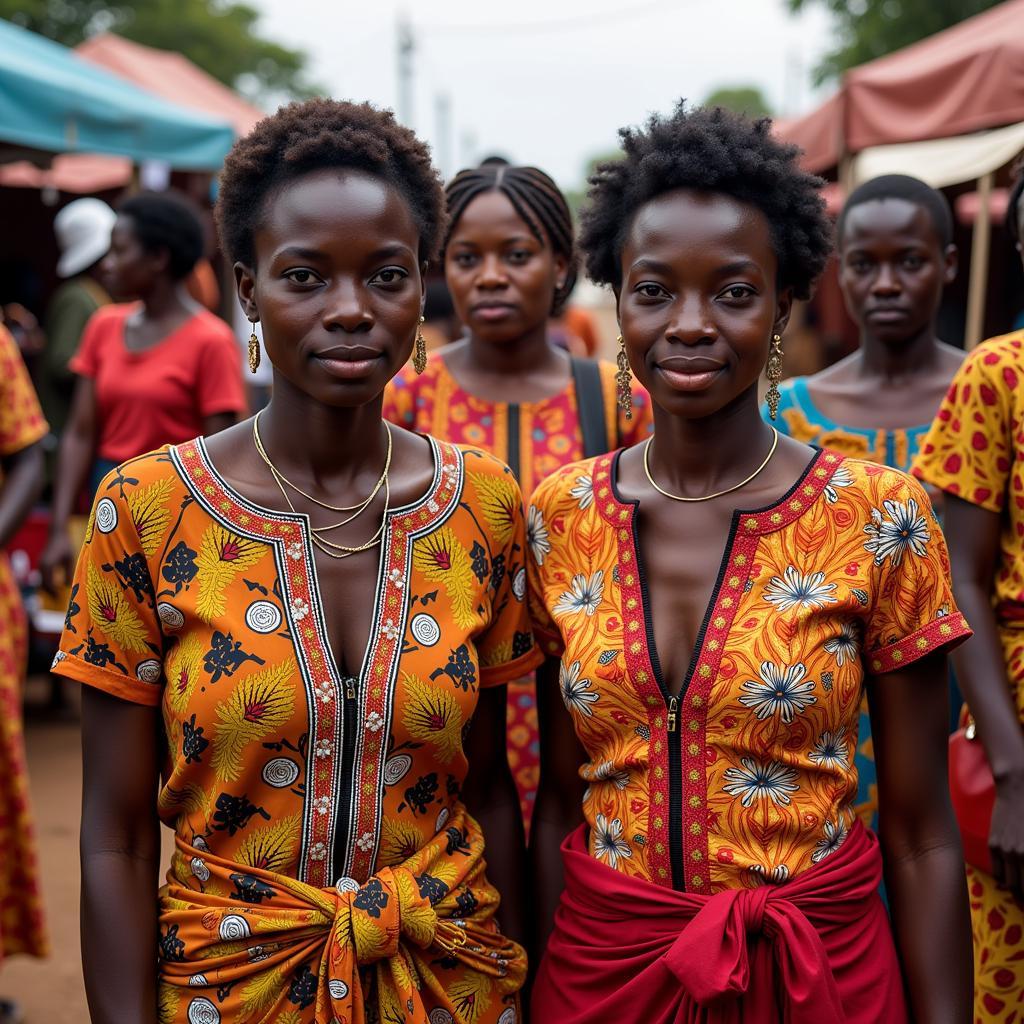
<point x="406" y="48"/>
<point x="443" y="127"/>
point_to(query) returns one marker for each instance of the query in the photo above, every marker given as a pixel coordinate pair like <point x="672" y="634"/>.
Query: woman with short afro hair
<point x="309" y="600"/>
<point x="719" y="597"/>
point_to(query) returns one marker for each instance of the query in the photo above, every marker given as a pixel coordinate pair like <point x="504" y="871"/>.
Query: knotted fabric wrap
<point x="817" y="950"/>
<point x="243" y="943"/>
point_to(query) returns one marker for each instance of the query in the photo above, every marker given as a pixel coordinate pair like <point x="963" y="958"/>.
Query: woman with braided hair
<point x="510" y="264"/>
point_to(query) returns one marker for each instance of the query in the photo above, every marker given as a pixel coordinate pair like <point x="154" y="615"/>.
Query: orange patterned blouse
<point x="548" y="432"/>
<point x="975" y="451"/>
<point x="746" y="776"/>
<point x="305" y="803"/>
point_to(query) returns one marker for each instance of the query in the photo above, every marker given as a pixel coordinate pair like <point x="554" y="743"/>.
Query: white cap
<point x="83" y="234"/>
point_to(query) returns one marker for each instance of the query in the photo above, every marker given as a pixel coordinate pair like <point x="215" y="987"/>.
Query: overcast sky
<point x="546" y="82"/>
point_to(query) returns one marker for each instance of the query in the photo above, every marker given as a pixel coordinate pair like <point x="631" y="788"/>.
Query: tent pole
<point x="980" y="247"/>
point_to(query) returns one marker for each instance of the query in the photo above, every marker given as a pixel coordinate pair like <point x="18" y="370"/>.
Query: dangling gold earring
<point x="419" y="351"/>
<point x="254" y="349"/>
<point x="774" y="374"/>
<point x="624" y="381"/>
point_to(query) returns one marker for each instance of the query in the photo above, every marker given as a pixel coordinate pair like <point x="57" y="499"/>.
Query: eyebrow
<point x="734" y="267"/>
<point x="306" y="253"/>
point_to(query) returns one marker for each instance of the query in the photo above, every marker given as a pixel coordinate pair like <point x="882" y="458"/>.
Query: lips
<point x="887" y="313"/>
<point x="690" y="374"/>
<point x="350" y="363"/>
<point x="493" y="310"/>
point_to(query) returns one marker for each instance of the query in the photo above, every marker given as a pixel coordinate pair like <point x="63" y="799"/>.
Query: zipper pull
<point x="350" y="687"/>
<point x="673" y="706"/>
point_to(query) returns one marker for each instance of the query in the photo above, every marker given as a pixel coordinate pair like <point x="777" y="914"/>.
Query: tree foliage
<point x="741" y="99"/>
<point x="867" y="29"/>
<point x="220" y="36"/>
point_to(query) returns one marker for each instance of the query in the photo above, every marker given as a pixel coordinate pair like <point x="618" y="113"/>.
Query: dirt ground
<point x="51" y="991"/>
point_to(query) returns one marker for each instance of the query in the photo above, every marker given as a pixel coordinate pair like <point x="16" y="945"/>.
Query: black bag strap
<point x="586" y="377"/>
<point x="513" y="452"/>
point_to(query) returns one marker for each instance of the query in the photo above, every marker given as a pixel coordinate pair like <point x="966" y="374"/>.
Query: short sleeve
<point x="112" y="638"/>
<point x="641" y="426"/>
<point x="912" y="613"/>
<point x="21" y="418"/>
<point x="85" y="362"/>
<point x="398" y="401"/>
<point x="219" y="387"/>
<point x="506" y="647"/>
<point x="969" y="450"/>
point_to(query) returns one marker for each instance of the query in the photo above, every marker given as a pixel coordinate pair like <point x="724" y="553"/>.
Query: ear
<point x="950" y="263"/>
<point x="561" y="270"/>
<point x="423" y="286"/>
<point x="783" y="309"/>
<point x="245" y="286"/>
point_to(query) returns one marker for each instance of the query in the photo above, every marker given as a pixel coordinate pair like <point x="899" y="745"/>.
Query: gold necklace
<point x="309" y="497"/>
<point x="326" y="546"/>
<point x="717" y="494"/>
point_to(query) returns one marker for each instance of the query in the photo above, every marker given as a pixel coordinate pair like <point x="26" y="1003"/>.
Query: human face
<point x="501" y="278"/>
<point x="893" y="268"/>
<point x="129" y="271"/>
<point x="337" y="284"/>
<point x="698" y="302"/>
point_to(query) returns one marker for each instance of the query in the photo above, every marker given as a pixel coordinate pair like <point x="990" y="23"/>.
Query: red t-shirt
<point x="162" y="395"/>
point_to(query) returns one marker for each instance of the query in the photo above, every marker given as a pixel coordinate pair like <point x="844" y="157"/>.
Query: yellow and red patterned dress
<point x="747" y="775"/>
<point x="975" y="451"/>
<point x="325" y="867"/>
<point x="538" y="438"/>
<point x="21" y="909"/>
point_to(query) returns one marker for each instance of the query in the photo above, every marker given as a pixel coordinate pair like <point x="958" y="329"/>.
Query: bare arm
<point x="490" y="796"/>
<point x="559" y="804"/>
<point x="22" y="484"/>
<point x="120" y="850"/>
<point x="74" y="461"/>
<point x="924" y="867"/>
<point x="973" y="537"/>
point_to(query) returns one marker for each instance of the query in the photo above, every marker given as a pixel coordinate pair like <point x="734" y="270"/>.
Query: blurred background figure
<point x="896" y="254"/>
<point x="159" y="370"/>
<point x="21" y="480"/>
<point x="83" y="231"/>
<point x="505" y="386"/>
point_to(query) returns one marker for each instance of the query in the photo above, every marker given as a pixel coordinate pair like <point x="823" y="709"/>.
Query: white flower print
<point x="842" y="477"/>
<point x="608" y="842"/>
<point x="374" y="721"/>
<point x="778" y="875"/>
<point x="583" y="595"/>
<point x="781" y="691"/>
<point x="583" y="491"/>
<point x="537" y="535"/>
<point x="606" y="771"/>
<point x="390" y="630"/>
<point x="758" y="780"/>
<point x="318" y="851"/>
<point x="576" y="692"/>
<point x="294" y="549"/>
<point x="325" y="691"/>
<point x="432" y="506"/>
<point x="322" y="804"/>
<point x="323" y="748"/>
<point x="844" y="646"/>
<point x="830" y="841"/>
<point x="299" y="609"/>
<point x="795" y="589"/>
<point x="365" y="842"/>
<point x="396" y="579"/>
<point x="830" y="751"/>
<point x="903" y="531"/>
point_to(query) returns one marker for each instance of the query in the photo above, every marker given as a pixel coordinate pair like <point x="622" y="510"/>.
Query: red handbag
<point x="974" y="794"/>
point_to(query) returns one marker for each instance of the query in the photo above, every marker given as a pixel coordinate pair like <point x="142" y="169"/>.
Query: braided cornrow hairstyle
<point x="537" y="200"/>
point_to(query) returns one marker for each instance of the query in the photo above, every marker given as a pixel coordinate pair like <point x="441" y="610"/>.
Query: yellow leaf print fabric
<point x="747" y="775"/>
<point x="323" y="849"/>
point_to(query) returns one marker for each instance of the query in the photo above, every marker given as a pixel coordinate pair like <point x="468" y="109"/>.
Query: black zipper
<point x="675" y="794"/>
<point x="349" y="701"/>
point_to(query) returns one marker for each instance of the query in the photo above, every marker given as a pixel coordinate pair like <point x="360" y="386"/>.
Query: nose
<point x="887" y="281"/>
<point x="346" y="309"/>
<point x="491" y="273"/>
<point x="691" y="322"/>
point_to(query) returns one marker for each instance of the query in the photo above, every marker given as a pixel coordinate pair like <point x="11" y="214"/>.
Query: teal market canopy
<point x="52" y="100"/>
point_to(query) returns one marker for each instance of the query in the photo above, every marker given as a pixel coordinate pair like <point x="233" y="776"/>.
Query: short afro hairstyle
<point x="323" y="133"/>
<point x="911" y="190"/>
<point x="167" y="221"/>
<point x="537" y="200"/>
<point x="711" y="150"/>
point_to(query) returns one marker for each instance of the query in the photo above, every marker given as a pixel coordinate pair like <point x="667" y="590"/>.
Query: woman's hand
<point x="57" y="562"/>
<point x="1006" y="838"/>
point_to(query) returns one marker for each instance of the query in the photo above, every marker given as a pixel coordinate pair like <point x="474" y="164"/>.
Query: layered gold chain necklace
<point x="329" y="547"/>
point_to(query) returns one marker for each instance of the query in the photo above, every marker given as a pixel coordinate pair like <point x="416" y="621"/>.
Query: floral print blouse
<point x="747" y="774"/>
<point x="191" y="597"/>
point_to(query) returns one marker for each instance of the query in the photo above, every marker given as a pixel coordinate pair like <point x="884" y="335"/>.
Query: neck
<point x="893" y="362"/>
<point x="521" y="355"/>
<point x="328" y="446"/>
<point x="165" y="298"/>
<point x="694" y="457"/>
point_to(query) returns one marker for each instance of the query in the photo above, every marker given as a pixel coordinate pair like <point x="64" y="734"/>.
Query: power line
<point x="554" y="25"/>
